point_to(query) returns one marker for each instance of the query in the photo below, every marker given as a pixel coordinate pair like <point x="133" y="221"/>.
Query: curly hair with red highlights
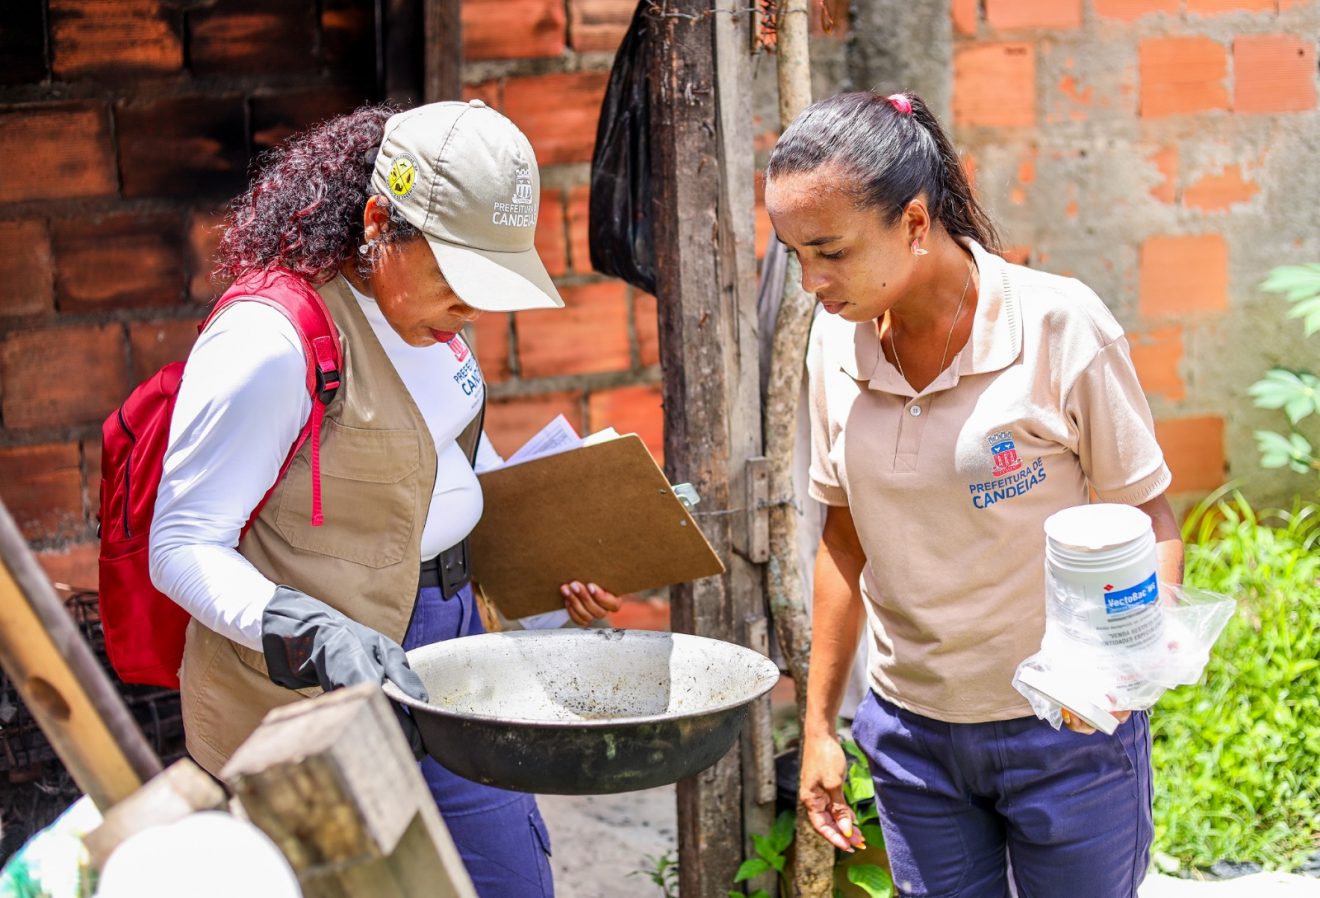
<point x="303" y="210"/>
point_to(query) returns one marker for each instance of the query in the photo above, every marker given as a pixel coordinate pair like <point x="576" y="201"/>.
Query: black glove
<point x="308" y="643"/>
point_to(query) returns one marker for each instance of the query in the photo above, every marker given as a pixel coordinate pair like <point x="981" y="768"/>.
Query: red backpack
<point x="144" y="628"/>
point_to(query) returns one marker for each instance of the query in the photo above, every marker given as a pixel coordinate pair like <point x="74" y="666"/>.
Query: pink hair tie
<point x="901" y="103"/>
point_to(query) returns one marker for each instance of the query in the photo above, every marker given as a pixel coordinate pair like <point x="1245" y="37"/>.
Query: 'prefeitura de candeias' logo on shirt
<point x="1010" y="475"/>
<point x="1003" y="451"/>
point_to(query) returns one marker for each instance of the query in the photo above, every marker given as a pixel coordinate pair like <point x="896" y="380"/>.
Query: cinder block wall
<point x="1162" y="150"/>
<point x="1165" y="152"/>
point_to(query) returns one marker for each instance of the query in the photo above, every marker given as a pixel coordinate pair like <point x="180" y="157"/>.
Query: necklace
<point x="893" y="341"/>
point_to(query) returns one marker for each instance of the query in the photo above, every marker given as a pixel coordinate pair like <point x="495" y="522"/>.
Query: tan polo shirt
<point x="949" y="488"/>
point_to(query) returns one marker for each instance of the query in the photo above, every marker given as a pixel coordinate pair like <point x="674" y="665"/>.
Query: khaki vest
<point x="378" y="466"/>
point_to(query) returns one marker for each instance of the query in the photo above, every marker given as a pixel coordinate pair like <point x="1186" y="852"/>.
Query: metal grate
<point x="34" y="786"/>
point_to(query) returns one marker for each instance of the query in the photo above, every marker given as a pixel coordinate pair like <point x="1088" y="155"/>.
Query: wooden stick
<point x="61" y="683"/>
<point x="814" y="857"/>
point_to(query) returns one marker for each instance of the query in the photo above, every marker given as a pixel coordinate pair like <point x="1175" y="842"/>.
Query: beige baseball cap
<point x="466" y="177"/>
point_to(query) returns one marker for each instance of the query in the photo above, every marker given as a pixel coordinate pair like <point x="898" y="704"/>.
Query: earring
<point x="364" y="249"/>
<point x="917" y="250"/>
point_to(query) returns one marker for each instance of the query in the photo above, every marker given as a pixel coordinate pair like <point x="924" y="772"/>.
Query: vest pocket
<point x="369" y="495"/>
<point x="257" y="661"/>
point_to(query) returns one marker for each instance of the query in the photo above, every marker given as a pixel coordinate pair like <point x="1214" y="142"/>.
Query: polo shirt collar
<point x="995" y="342"/>
<point x="996" y="339"/>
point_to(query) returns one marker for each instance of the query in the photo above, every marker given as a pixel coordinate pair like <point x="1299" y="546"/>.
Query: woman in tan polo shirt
<point x="957" y="401"/>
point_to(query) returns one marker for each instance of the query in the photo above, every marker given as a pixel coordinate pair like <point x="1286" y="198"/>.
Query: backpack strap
<point x="299" y="302"/>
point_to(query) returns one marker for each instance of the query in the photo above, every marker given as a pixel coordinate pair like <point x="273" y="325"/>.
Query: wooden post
<point x="444" y="51"/>
<point x="62" y="684"/>
<point x="813" y="857"/>
<point x="400" y="51"/>
<point x="705" y="282"/>
<point x="333" y="783"/>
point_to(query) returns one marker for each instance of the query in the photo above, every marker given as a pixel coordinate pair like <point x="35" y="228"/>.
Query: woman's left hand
<point x="1077" y="725"/>
<point x="587" y="602"/>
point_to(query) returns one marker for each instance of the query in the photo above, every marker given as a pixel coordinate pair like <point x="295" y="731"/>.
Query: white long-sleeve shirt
<point x="241" y="404"/>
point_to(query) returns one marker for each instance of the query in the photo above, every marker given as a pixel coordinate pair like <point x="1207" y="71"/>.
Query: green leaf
<point x="1309" y="311"/>
<point x="1277" y="451"/>
<point x="872" y="880"/>
<point x="781" y="834"/>
<point x="1295" y="282"/>
<point x="764" y="847"/>
<point x="859" y="785"/>
<point x="873" y="835"/>
<point x="751" y="867"/>
<point x="853" y="749"/>
<point x="1297" y="393"/>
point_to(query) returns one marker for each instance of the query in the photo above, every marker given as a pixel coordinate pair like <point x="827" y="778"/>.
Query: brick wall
<point x="126" y="124"/>
<point x="1160" y="150"/>
<point x="1155" y="148"/>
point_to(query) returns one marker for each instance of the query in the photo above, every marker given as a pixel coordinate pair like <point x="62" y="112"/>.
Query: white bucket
<point x="1100" y="577"/>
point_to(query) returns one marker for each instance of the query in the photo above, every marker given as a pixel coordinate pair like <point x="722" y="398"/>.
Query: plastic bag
<point x="619" y="218"/>
<point x="1092" y="679"/>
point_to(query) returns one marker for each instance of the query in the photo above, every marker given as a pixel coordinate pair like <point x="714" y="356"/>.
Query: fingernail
<point x="845" y="827"/>
<point x="563" y="591"/>
<point x="591" y="588"/>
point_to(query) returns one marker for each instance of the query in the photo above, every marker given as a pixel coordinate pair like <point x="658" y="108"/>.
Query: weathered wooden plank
<point x="401" y="50"/>
<point x="61" y="683"/>
<point x="333" y="783"/>
<point x="444" y="51"/>
<point x="705" y="255"/>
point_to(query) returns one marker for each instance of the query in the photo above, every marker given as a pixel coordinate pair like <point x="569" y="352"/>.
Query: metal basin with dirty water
<point x="578" y="712"/>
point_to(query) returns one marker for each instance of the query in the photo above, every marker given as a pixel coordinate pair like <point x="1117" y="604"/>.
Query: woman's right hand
<point x="820" y="789"/>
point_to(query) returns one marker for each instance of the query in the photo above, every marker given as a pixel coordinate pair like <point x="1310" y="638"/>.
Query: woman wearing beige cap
<point x="318" y="569"/>
<point x="957" y="401"/>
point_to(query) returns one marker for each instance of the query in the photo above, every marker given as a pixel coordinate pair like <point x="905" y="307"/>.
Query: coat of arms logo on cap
<point x="403" y="176"/>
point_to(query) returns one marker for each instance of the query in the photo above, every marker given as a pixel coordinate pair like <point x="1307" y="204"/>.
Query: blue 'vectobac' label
<point x="1144" y="593"/>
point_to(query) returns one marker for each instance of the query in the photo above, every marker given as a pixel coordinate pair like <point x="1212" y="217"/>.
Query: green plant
<point x="663" y="871"/>
<point x="772" y="848"/>
<point x="1236" y="758"/>
<point x="1295" y="391"/>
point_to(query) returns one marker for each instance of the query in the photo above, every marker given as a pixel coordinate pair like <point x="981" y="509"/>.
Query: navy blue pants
<point x="960" y="802"/>
<point x="500" y="834"/>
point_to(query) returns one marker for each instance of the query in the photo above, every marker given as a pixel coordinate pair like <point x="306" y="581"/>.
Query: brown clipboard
<point x="602" y="513"/>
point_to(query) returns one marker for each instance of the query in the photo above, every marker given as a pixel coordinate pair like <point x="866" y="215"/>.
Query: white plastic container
<point x="1100" y="577"/>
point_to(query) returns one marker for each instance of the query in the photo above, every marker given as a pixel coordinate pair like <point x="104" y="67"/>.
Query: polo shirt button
<point x="914" y="411"/>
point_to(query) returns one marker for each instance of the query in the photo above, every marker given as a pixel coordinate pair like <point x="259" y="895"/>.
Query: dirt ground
<point x="600" y="841"/>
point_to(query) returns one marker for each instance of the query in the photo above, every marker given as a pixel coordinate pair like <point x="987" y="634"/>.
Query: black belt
<point x="448" y="570"/>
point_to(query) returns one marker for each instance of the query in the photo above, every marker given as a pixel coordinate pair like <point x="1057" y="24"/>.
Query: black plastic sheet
<point x="619" y="220"/>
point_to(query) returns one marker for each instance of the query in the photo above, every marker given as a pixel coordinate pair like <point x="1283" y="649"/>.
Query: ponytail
<point x="895" y="150"/>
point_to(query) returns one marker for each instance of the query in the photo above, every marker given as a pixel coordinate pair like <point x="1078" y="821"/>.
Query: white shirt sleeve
<point x="242" y="403"/>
